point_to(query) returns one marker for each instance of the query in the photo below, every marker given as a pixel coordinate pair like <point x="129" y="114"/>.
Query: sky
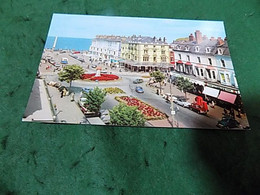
<point x="88" y="26"/>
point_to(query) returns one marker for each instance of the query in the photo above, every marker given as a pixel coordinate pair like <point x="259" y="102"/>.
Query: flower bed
<point x="102" y="77"/>
<point x="113" y="90"/>
<point x="149" y="112"/>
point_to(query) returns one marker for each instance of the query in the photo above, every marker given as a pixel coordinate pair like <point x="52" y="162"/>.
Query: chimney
<point x="220" y="41"/>
<point x="198" y="36"/>
<point x="205" y="37"/>
<point x="164" y="39"/>
<point x="191" y="37"/>
<point x="212" y="38"/>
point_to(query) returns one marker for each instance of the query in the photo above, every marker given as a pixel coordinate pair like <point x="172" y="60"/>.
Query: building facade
<point x="208" y="62"/>
<point x="145" y="53"/>
<point x="106" y="48"/>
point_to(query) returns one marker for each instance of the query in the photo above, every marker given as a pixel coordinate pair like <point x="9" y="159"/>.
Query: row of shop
<point x="145" y="66"/>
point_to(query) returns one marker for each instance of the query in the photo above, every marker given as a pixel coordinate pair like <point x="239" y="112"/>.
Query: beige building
<point x="145" y="53"/>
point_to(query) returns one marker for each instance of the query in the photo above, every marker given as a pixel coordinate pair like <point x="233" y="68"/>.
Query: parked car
<point x="64" y="61"/>
<point x="105" y="117"/>
<point x="137" y="81"/>
<point x="168" y="97"/>
<point x="85" y="90"/>
<point x="94" y="66"/>
<point x="182" y="102"/>
<point x="139" y="89"/>
<point x="228" y="122"/>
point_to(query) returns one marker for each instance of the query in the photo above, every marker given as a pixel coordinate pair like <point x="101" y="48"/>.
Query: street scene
<point x="146" y="80"/>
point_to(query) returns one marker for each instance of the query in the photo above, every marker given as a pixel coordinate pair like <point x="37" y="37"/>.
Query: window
<point x="223" y="63"/>
<point x="201" y="72"/>
<point x="208" y="71"/>
<point x="146" y="51"/>
<point x="197" y="71"/>
<point x="208" y="50"/>
<point x="220" y="52"/>
<point x="222" y="77"/>
<point x="199" y="60"/>
<point x="188" y="58"/>
<point x="213" y="74"/>
<point x="135" y="57"/>
<point x="210" y="61"/>
<point x="197" y="48"/>
<point x="163" y="59"/>
<point x="163" y="52"/>
<point x="180" y="56"/>
<point x="154" y="59"/>
<point x="145" y="59"/>
<point x="228" y="78"/>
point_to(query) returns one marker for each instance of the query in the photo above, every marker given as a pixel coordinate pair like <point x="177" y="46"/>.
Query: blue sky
<point x="88" y="26"/>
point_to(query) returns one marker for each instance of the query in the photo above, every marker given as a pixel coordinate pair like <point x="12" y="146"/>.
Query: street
<point x="184" y="116"/>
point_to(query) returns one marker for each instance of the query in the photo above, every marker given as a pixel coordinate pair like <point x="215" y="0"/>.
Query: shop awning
<point x="227" y="97"/>
<point x="211" y="91"/>
<point x="179" y="62"/>
<point x="188" y="63"/>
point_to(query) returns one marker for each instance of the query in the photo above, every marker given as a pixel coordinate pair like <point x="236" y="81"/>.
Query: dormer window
<point x="178" y="47"/>
<point x="186" y="48"/>
<point x="208" y="50"/>
<point x="220" y="51"/>
<point x="197" y="48"/>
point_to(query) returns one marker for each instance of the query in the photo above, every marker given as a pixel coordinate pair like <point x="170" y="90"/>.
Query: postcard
<point x="129" y="71"/>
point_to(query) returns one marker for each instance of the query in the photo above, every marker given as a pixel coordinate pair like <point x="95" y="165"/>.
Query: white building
<point x="106" y="48"/>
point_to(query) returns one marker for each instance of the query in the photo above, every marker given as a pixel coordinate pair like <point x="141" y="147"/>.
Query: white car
<point x="183" y="103"/>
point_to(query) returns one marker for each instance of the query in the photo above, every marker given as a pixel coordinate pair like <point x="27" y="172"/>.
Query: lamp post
<point x="173" y="111"/>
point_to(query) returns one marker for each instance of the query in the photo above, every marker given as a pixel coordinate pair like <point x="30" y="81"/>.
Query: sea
<point x="68" y="43"/>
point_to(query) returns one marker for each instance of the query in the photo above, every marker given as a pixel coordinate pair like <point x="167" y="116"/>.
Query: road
<point x="185" y="116"/>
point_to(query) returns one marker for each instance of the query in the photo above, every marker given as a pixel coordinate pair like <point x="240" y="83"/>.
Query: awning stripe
<point x="227" y="97"/>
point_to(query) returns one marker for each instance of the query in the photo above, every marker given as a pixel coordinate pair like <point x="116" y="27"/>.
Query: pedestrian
<point x="213" y="104"/>
<point x="231" y="113"/>
<point x="61" y="94"/>
<point x="239" y="113"/>
<point x="157" y="91"/>
<point x="64" y="92"/>
<point x="72" y="97"/>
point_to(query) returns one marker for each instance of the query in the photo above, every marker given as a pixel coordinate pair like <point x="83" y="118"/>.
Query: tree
<point x="159" y="77"/>
<point x="184" y="85"/>
<point x="70" y="73"/>
<point x="94" y="99"/>
<point x="126" y="115"/>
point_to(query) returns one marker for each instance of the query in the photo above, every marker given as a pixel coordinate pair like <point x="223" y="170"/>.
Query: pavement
<point x="216" y="112"/>
<point x="67" y="111"/>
